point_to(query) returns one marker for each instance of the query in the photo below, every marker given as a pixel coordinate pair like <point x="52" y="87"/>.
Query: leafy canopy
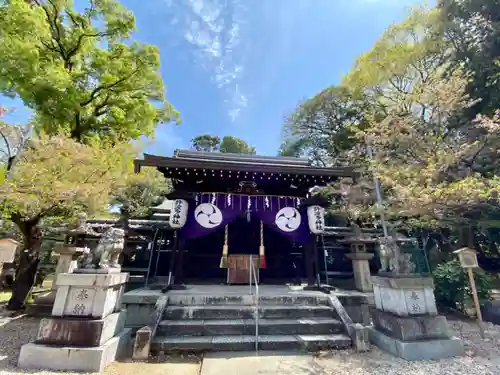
<point x="79" y="72"/>
<point x="141" y="191"/>
<point x="57" y="176"/>
<point x="228" y="144"/>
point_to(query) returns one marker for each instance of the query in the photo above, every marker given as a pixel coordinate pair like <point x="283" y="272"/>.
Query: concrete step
<point x="247" y="312"/>
<point x="187" y="300"/>
<point x="247" y="342"/>
<point x="216" y="327"/>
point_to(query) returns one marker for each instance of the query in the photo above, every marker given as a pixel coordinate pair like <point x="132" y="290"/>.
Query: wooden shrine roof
<point x="214" y="171"/>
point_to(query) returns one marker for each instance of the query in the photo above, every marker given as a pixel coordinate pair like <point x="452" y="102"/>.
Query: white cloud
<point x="213" y="29"/>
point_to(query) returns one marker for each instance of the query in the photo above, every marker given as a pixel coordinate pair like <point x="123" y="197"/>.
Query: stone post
<point x="406" y="322"/>
<point x="360" y="258"/>
<point x="361" y="268"/>
<point x="67" y="261"/>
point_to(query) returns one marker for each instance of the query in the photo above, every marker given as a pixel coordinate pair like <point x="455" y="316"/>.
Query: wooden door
<point x="239" y="268"/>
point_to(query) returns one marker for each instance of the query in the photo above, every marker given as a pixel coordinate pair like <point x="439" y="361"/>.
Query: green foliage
<point x="229" y="144"/>
<point x="323" y="127"/>
<point x="235" y="145"/>
<point x="79" y="72"/>
<point x="206" y="142"/>
<point x="452" y="288"/>
<point x="473" y="29"/>
<point x="141" y="191"/>
<point x="57" y="176"/>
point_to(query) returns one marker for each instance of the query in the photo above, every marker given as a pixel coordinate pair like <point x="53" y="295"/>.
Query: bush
<point x="453" y="288"/>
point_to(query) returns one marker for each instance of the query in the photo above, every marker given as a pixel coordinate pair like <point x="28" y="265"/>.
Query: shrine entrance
<point x="284" y="260"/>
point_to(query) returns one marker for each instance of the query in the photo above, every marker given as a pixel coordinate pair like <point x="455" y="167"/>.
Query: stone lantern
<point x="72" y="248"/>
<point x="360" y="258"/>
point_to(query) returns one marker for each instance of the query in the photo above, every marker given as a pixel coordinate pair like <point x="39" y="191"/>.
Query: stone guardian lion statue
<point x="107" y="252"/>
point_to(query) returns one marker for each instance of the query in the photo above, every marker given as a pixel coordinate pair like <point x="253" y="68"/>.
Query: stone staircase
<point x="207" y="323"/>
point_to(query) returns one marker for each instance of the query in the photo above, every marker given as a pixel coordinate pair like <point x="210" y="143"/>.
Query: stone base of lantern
<point x="405" y="320"/>
<point x="361" y="269"/>
<point x="86" y="330"/>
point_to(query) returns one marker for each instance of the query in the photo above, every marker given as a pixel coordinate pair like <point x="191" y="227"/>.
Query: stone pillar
<point x="66" y="261"/>
<point x="361" y="268"/>
<point x="86" y="330"/>
<point x="406" y="322"/>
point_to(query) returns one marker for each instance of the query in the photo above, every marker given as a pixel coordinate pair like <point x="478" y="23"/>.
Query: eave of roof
<point x="231" y="165"/>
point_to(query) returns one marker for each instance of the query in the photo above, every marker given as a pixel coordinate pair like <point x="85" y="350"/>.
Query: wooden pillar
<point x="309" y="261"/>
<point x="179" y="266"/>
<point x="173" y="256"/>
<point x="315" y="259"/>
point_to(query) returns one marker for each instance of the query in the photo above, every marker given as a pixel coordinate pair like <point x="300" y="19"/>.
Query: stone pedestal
<point x="361" y="268"/>
<point x="406" y="322"/>
<point x="86" y="330"/>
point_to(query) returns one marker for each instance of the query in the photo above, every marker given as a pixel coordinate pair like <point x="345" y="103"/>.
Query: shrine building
<point x="227" y="210"/>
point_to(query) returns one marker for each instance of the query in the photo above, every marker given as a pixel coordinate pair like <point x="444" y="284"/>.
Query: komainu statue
<point x="389" y="254"/>
<point x="108" y="250"/>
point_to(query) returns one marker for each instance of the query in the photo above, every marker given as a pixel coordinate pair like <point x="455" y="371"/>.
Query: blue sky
<point x="237" y="67"/>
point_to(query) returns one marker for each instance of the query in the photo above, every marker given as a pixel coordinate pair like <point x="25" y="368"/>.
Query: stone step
<point x="215" y="327"/>
<point x="247" y="312"/>
<point x="187" y="300"/>
<point x="247" y="342"/>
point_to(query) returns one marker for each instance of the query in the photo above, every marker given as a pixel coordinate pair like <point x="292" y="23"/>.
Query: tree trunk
<point x="27" y="268"/>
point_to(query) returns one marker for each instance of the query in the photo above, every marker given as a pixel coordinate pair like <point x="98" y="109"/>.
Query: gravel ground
<point x="482" y="357"/>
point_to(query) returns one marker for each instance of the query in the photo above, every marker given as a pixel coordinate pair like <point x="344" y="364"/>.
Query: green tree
<point x="473" y="29"/>
<point x="79" y="72"/>
<point x="57" y="177"/>
<point x="323" y="127"/>
<point x="228" y="144"/>
<point x="140" y="192"/>
<point x="206" y="142"/>
<point x="235" y="145"/>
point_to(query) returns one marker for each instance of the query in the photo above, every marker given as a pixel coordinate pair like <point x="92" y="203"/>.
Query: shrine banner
<point x="213" y="211"/>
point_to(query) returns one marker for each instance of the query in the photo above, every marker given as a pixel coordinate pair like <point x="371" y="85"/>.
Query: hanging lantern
<point x="178" y="215"/>
<point x="316" y="219"/>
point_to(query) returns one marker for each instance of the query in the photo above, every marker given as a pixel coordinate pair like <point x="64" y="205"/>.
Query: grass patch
<point x="5" y="296"/>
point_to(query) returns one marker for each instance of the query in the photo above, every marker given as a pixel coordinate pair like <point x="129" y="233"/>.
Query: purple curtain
<point x="213" y="211"/>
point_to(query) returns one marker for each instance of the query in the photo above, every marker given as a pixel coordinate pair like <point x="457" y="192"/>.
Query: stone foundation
<point x="417" y="350"/>
<point x="405" y="320"/>
<point x="70" y="358"/>
<point x="86" y="330"/>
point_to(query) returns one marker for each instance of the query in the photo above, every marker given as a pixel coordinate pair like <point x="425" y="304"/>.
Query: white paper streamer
<point x="266" y="201"/>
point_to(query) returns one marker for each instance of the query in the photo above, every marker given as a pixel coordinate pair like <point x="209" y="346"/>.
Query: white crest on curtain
<point x="208" y="215"/>
<point x="288" y="219"/>
<point x="266" y="202"/>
